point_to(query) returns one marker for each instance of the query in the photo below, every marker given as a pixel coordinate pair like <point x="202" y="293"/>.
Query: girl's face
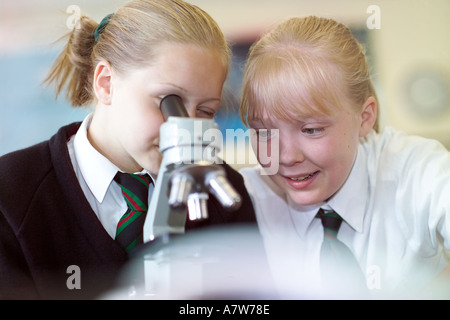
<point x="130" y="138"/>
<point x="316" y="153"/>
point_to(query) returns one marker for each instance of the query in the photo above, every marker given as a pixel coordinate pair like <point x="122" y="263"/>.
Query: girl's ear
<point x="102" y="82"/>
<point x="368" y="116"/>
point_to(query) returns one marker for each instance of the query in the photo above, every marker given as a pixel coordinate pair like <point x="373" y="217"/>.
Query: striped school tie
<point x="129" y="232"/>
<point x="339" y="268"/>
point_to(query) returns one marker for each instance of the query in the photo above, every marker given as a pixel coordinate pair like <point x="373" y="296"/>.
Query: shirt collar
<point x="97" y="170"/>
<point x="302" y="216"/>
<point x="351" y="200"/>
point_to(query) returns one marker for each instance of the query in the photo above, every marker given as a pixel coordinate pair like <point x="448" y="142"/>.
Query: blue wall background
<point x="29" y="111"/>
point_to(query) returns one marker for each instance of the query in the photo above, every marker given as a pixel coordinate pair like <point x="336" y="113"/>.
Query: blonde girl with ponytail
<point x="152" y="48"/>
<point x="307" y="89"/>
<point x="59" y="202"/>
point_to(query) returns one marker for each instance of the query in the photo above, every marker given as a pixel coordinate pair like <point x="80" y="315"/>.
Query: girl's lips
<point x="301" y="181"/>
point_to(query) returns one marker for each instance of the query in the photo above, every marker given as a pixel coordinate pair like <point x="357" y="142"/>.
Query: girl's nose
<point x="191" y="109"/>
<point x="290" y="151"/>
<point x="191" y="112"/>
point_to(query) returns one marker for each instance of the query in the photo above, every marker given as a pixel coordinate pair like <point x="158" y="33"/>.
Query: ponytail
<point x="130" y="40"/>
<point x="73" y="67"/>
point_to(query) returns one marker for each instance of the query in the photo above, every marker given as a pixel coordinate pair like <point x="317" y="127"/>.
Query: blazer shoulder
<point x="21" y="174"/>
<point x="22" y="171"/>
<point x="23" y="165"/>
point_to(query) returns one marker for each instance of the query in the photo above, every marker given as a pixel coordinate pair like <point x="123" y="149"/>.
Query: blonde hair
<point x="312" y="62"/>
<point x="129" y="41"/>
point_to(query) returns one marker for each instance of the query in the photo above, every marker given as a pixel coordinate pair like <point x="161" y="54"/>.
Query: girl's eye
<point x="205" y="113"/>
<point x="266" y="135"/>
<point x="312" y="131"/>
<point x="263" y="133"/>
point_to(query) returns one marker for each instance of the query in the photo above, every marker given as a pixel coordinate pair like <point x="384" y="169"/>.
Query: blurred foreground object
<point x="212" y="263"/>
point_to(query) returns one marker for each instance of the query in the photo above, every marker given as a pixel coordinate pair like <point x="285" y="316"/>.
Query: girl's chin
<point x="305" y="201"/>
<point x="153" y="168"/>
<point x="308" y="198"/>
<point x="305" y="198"/>
<point x="152" y="163"/>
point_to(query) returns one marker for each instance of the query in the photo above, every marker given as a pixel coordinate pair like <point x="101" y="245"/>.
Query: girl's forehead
<point x="292" y="108"/>
<point x="266" y="116"/>
<point x="292" y="88"/>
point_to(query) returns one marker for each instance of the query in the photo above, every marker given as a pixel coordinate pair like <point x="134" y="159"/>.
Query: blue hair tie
<point x="102" y="25"/>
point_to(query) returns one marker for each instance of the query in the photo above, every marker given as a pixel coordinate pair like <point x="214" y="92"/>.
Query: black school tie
<point x="339" y="268"/>
<point x="129" y="232"/>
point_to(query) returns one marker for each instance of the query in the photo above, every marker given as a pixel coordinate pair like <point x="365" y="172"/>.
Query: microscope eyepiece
<point x="172" y="106"/>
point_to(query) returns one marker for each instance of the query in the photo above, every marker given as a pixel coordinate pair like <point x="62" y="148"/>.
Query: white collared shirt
<point x="396" y="210"/>
<point x="95" y="174"/>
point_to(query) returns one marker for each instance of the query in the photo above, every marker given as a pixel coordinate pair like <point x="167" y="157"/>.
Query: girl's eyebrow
<point x="175" y="86"/>
<point x="184" y="91"/>
<point x="293" y="119"/>
<point x="308" y="118"/>
<point x="312" y="119"/>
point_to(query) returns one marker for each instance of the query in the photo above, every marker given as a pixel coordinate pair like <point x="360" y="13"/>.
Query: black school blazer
<point x="47" y="225"/>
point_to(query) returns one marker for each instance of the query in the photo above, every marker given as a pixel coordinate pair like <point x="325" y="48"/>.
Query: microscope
<point x="173" y="264"/>
<point x="189" y="172"/>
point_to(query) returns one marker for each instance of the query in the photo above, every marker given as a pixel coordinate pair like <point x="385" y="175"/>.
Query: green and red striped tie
<point x="129" y="232"/>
